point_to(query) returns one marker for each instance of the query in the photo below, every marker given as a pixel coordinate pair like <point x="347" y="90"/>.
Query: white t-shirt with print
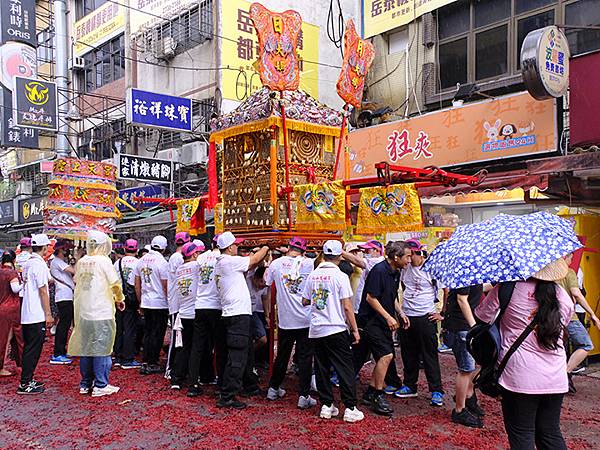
<point x="186" y="287"/>
<point x="64" y="286"/>
<point x="152" y="268"/>
<point x="128" y="264"/>
<point x="35" y="275"/>
<point x="175" y="261"/>
<point x="325" y="288"/>
<point x="231" y="284"/>
<point x="22" y="258"/>
<point x="207" y="296"/>
<point x="419" y="295"/>
<point x="256" y="295"/>
<point x="290" y="274"/>
<point x="370" y="263"/>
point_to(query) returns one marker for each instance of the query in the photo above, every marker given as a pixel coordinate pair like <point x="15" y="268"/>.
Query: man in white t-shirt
<point x="209" y="330"/>
<point x="24" y="255"/>
<point x="175" y="260"/>
<point x="418" y="341"/>
<point x="64" y="286"/>
<point x="237" y="314"/>
<point x="329" y="294"/>
<point x="128" y="318"/>
<point x="35" y="313"/>
<point x="151" y="277"/>
<point x="289" y="274"/>
<point x="186" y="287"/>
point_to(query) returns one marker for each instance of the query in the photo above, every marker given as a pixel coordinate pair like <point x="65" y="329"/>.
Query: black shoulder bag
<point x="484" y="344"/>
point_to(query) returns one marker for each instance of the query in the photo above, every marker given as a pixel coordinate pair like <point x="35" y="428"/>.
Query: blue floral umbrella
<point x="504" y="248"/>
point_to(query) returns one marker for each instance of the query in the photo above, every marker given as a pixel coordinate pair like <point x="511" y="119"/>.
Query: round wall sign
<point x="545" y="63"/>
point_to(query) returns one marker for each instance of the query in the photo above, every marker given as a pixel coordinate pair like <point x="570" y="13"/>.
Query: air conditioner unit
<point x="169" y="154"/>
<point x="77" y="63"/>
<point x="166" y="48"/>
<point x="24" y="188"/>
<point x="193" y="153"/>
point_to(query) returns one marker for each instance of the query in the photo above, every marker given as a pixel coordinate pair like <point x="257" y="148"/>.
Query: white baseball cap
<point x="39" y="240"/>
<point x="199" y="243"/>
<point x="333" y="248"/>
<point x="227" y="239"/>
<point x="158" y="243"/>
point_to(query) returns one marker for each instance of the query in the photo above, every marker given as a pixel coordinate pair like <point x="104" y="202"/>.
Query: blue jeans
<point x="579" y="336"/>
<point x="457" y="341"/>
<point x="94" y="371"/>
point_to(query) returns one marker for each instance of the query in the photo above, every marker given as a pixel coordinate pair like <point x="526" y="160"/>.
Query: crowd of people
<point x="337" y="309"/>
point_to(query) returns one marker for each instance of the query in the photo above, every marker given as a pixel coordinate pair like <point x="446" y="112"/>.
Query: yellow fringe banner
<point x="106" y="187"/>
<point x="82" y="211"/>
<point x="219" y="228"/>
<point x="265" y="124"/>
<point x="320" y="207"/>
<point x="389" y="209"/>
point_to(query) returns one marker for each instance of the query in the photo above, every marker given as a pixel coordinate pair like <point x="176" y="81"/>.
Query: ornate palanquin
<point x="253" y="159"/>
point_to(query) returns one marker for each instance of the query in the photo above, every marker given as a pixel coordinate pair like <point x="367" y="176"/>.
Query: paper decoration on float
<point x="81" y="197"/>
<point x="320" y="207"/>
<point x="278" y="33"/>
<point x="190" y="216"/>
<point x="219" y="226"/>
<point x="389" y="209"/>
<point x="358" y="57"/>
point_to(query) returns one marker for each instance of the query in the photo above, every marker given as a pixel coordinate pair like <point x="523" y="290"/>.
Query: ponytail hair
<point x="550" y="327"/>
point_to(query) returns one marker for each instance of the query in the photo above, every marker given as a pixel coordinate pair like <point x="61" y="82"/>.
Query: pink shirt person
<point x="532" y="369"/>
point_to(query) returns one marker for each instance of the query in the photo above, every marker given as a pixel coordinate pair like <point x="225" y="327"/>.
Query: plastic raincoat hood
<point x="97" y="289"/>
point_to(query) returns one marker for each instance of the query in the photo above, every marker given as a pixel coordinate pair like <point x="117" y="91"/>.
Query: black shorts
<point x="379" y="338"/>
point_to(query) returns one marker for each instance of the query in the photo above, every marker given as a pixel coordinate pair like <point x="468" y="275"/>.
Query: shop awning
<point x="164" y="220"/>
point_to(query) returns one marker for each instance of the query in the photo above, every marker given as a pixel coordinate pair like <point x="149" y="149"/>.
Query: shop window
<point x="105" y="64"/>
<point x="491" y="48"/>
<point x="487" y="12"/>
<point x="84" y="7"/>
<point x="453" y="63"/>
<point x="583" y="13"/>
<point x="522" y="6"/>
<point x="525" y="26"/>
<point x="457" y="19"/>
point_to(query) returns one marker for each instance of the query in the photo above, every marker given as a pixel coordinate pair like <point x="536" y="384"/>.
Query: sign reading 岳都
<point x="35" y="104"/>
<point x="97" y="27"/>
<point x="132" y="167"/>
<point x="151" y="109"/>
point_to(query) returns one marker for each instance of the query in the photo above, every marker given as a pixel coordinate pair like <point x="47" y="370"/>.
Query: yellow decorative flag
<point x="320" y="207"/>
<point x="185" y="211"/>
<point x="389" y="209"/>
<point x="219" y="218"/>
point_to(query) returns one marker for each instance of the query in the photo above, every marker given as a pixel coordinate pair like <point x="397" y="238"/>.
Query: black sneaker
<point x="368" y="397"/>
<point x="38" y="383"/>
<point x="256" y="392"/>
<point x="231" y="403"/>
<point x="144" y="369"/>
<point x="30" y="389"/>
<point x="466" y="418"/>
<point x="572" y="389"/>
<point x="381" y="406"/>
<point x="154" y="368"/>
<point x="473" y="406"/>
<point x="194" y="391"/>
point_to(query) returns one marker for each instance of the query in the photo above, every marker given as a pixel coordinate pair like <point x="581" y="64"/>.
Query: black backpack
<point x="131" y="300"/>
<point x="484" y="344"/>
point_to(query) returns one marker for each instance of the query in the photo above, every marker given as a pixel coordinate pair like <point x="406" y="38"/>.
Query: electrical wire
<point x="336" y="36"/>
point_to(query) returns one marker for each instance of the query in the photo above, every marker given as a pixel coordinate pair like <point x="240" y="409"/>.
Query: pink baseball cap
<point x="189" y="249"/>
<point x="25" y="242"/>
<point x="182" y="237"/>
<point x="415" y="244"/>
<point x="372" y="244"/>
<point x="298" y="242"/>
<point x="131" y="245"/>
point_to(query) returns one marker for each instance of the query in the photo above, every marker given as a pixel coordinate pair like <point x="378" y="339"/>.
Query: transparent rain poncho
<point x="97" y="289"/>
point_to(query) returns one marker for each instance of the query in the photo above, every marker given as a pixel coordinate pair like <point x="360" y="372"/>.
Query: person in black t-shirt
<point x="459" y="319"/>
<point x="378" y="314"/>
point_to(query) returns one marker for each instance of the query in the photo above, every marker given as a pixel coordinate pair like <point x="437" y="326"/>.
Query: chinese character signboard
<point x="7" y="212"/>
<point x="151" y="109"/>
<point x="98" y="27"/>
<point x="129" y="195"/>
<point x="383" y="15"/>
<point x="545" y="62"/>
<point x="144" y="169"/>
<point x="513" y="125"/>
<point x="145" y="14"/>
<point x="11" y="135"/>
<point x="17" y="21"/>
<point x="35" y="104"/>
<point x="242" y="51"/>
<point x="358" y="56"/>
<point x="32" y="209"/>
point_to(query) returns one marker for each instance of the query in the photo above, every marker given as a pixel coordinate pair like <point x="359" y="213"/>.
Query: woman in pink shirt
<point x="534" y="380"/>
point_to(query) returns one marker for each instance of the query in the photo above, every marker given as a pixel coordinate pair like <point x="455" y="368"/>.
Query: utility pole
<point x="61" y="75"/>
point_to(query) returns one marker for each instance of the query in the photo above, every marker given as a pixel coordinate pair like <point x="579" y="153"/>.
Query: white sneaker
<point x="353" y="415"/>
<point x="84" y="391"/>
<point x="306" y="402"/>
<point x="327" y="412"/>
<point x="274" y="394"/>
<point x="106" y="390"/>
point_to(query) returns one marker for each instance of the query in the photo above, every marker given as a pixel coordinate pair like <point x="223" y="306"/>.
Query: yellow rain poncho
<point x="97" y="289"/>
